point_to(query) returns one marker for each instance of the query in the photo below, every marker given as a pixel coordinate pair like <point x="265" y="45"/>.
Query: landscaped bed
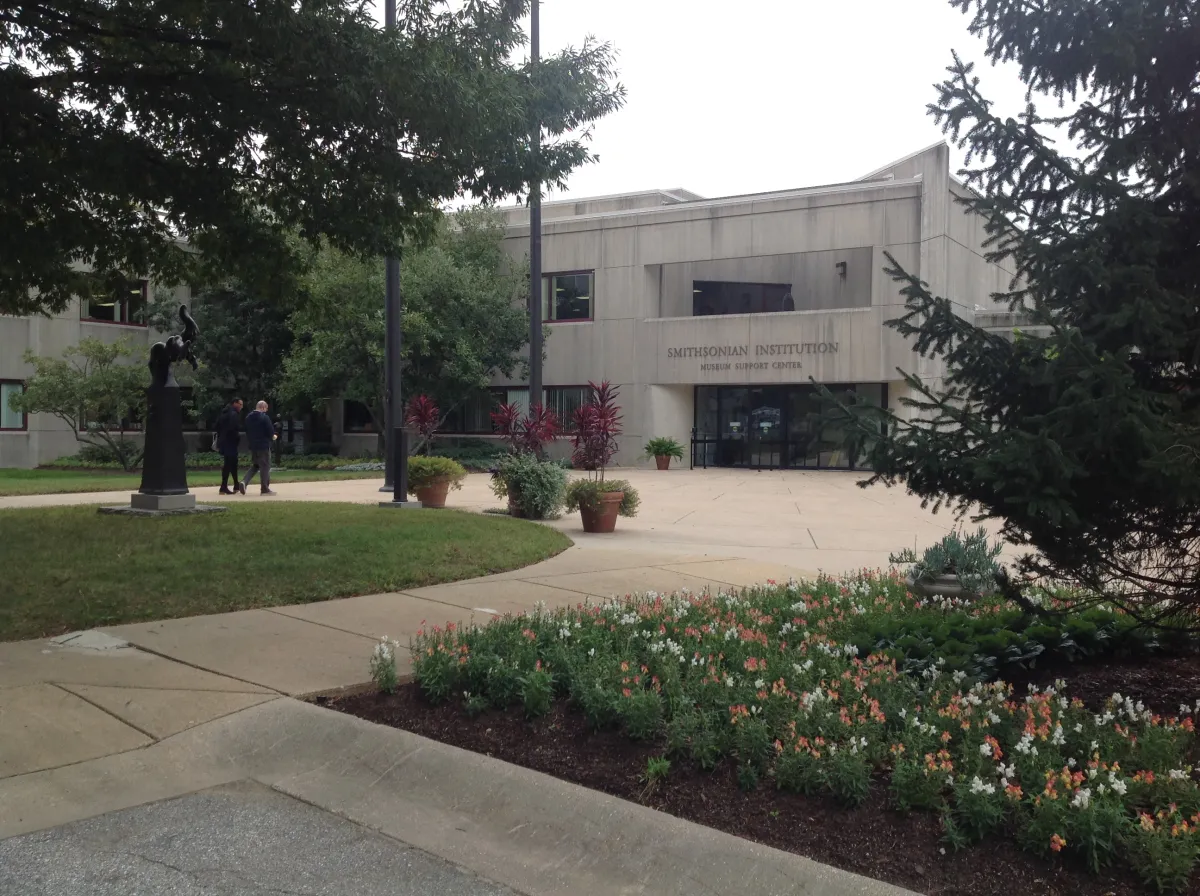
<point x="844" y="721"/>
<point x="69" y="568"/>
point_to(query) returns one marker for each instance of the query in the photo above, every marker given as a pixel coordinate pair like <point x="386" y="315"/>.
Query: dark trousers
<point x="260" y="463"/>
<point x="228" y="469"/>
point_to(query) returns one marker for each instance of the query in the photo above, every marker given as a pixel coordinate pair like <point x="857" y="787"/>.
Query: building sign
<point x="787" y="355"/>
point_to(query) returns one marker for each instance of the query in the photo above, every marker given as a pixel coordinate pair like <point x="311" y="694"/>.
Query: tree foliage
<point x="464" y="320"/>
<point x="1085" y="441"/>
<point x="96" y="388"/>
<point x="130" y="126"/>
<point x="244" y="338"/>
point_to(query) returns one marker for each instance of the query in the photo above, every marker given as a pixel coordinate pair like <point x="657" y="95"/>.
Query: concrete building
<point x="712" y="315"/>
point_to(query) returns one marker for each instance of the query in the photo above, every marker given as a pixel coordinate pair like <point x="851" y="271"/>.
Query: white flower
<point x="977" y="786"/>
<point x="1058" y="738"/>
<point x="1177" y="774"/>
<point x="959" y="676"/>
<point x="985" y="749"/>
<point x="1079" y="728"/>
<point x="759" y="684"/>
<point x="1083" y="798"/>
<point x="728" y="681"/>
<point x="592" y="652"/>
<point x="1071" y="762"/>
<point x="993" y="718"/>
<point x="1119" y="787"/>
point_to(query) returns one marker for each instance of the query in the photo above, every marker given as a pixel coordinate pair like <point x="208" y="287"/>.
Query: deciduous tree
<point x="130" y="128"/>
<point x="96" y="388"/>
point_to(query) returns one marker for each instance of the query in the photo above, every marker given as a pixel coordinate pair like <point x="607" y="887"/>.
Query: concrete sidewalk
<point x="523" y="830"/>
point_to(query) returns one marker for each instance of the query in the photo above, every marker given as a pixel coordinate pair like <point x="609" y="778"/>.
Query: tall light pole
<point x="395" y="443"/>
<point x="535" y="232"/>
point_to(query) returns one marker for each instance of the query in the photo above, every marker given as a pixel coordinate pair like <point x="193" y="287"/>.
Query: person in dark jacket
<point x="260" y="433"/>
<point x="229" y="426"/>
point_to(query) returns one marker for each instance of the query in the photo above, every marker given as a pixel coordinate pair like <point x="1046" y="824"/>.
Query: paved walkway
<point x="153" y="711"/>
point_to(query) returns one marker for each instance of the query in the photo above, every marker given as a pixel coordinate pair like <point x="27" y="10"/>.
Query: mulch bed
<point x="872" y="840"/>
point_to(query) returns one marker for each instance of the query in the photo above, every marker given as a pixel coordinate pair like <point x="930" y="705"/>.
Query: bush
<point x="101" y="453"/>
<point x="424" y="471"/>
<point x="586" y="493"/>
<point x="537" y="488"/>
<point x="476" y="455"/>
<point x="664" y="447"/>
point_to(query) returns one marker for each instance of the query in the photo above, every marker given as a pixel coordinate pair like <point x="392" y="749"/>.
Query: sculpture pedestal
<point x="163" y="469"/>
<point x="164" y="490"/>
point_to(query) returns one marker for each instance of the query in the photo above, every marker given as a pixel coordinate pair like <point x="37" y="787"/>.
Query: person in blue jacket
<point x="229" y="427"/>
<point x="260" y="433"/>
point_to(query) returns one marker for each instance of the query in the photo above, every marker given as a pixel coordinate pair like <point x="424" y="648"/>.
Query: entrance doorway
<point x="777" y="427"/>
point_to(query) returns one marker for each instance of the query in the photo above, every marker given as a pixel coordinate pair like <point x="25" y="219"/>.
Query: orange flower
<point x="1057" y="843"/>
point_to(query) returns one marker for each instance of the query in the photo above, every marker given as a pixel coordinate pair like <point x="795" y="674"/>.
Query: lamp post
<point x="395" y="476"/>
<point x="535" y="232"/>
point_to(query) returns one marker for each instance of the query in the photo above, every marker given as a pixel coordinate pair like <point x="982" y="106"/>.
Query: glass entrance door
<point x="765" y="440"/>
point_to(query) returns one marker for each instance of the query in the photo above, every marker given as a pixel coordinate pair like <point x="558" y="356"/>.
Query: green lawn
<point x="54" y="482"/>
<point x="70" y="568"/>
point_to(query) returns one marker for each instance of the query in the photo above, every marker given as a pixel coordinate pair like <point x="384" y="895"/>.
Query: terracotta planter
<point x="602" y="518"/>
<point x="434" y="494"/>
<point x="663" y="461"/>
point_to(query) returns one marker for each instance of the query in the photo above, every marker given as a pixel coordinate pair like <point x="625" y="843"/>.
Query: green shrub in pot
<point x="585" y="493"/>
<point x="426" y="470"/>
<point x="535" y="489"/>
<point x="664" y="446"/>
<point x="970" y="558"/>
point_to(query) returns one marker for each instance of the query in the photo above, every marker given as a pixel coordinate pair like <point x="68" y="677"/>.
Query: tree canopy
<point x="1084" y="441"/>
<point x="131" y="127"/>
<point x="464" y="320"/>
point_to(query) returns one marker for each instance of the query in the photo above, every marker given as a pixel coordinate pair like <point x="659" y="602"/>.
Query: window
<point x="563" y="400"/>
<point x="716" y="297"/>
<point x="127" y="305"/>
<point x="10" y="419"/>
<point x="567" y="297"/>
<point x="356" y="417"/>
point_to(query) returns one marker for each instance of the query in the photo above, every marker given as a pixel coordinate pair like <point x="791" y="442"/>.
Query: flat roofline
<point x="725" y="201"/>
<point x="679" y="194"/>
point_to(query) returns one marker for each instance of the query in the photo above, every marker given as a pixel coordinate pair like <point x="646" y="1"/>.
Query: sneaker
<point x="267" y="491"/>
<point x="241" y="487"/>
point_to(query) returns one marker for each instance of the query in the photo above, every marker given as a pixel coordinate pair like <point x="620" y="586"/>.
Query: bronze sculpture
<point x="174" y="348"/>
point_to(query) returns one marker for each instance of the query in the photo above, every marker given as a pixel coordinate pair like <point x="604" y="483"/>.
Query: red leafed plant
<point x="530" y="432"/>
<point x="597" y="425"/>
<point x="422" y="414"/>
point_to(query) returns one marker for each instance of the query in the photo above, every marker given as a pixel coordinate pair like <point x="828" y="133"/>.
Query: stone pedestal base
<point x="163" y="505"/>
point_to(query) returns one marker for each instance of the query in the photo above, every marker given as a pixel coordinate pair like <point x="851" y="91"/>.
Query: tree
<point x="1084" y="441"/>
<point x="244" y="338"/>
<point x="96" y="388"/>
<point x="134" y="131"/>
<point x="464" y="321"/>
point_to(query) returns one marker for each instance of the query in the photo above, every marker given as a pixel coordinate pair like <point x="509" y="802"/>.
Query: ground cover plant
<point x="78" y="570"/>
<point x="793" y="688"/>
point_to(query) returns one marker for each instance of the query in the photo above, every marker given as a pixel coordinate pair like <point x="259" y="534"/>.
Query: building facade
<point x="716" y="316"/>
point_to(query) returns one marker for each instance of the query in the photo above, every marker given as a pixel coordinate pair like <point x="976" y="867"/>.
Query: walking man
<point x="229" y="426"/>
<point x="260" y="433"/>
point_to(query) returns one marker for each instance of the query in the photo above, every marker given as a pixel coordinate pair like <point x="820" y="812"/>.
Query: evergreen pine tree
<point x="1084" y="439"/>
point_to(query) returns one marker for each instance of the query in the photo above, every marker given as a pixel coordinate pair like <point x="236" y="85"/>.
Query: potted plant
<point x="526" y="434"/>
<point x="535" y="489"/>
<point x="662" y="449"/>
<point x="958" y="566"/>
<point x="430" y="478"/>
<point x="599" y="501"/>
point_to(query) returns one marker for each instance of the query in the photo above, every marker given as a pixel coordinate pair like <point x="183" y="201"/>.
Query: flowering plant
<point x="529" y="432"/>
<point x="597" y="425"/>
<point x="772" y="681"/>
<point x="422" y="414"/>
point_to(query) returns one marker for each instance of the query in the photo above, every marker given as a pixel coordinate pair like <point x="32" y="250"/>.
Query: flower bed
<point x="774" y="688"/>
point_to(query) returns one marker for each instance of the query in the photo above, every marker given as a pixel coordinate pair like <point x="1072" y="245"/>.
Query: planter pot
<point x="940" y="586"/>
<point x="663" y="462"/>
<point x="603" y="517"/>
<point x="434" y="494"/>
<point x="514" y="504"/>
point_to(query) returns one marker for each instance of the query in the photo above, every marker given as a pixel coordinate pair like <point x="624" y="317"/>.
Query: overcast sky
<point x="741" y="97"/>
